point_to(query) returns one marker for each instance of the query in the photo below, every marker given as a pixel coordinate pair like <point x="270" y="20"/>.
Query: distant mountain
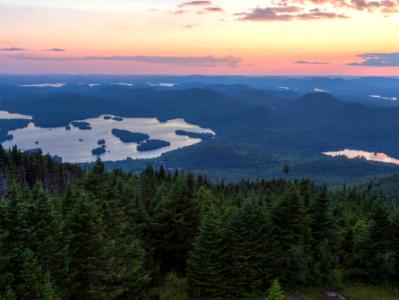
<point x="246" y="94"/>
<point x="252" y="120"/>
<point x="315" y="103"/>
<point x="195" y="105"/>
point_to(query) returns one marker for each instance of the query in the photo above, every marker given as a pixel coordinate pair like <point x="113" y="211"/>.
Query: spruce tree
<point x="253" y="249"/>
<point x="206" y="263"/>
<point x="174" y="225"/>
<point x="48" y="290"/>
<point x="290" y="220"/>
<point x="324" y="243"/>
<point x="275" y="291"/>
<point x="32" y="278"/>
<point x="87" y="250"/>
<point x="48" y="239"/>
<point x="8" y="294"/>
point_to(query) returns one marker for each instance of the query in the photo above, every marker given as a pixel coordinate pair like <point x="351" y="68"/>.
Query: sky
<point x="239" y="37"/>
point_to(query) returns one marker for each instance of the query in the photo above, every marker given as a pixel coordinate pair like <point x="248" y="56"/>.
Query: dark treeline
<point x="70" y="234"/>
<point x="28" y="169"/>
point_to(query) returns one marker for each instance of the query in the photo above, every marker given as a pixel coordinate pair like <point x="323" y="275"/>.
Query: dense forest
<point x="69" y="233"/>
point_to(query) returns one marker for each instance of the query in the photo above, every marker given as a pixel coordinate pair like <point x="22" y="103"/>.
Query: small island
<point x="101" y="142"/>
<point x="107" y="117"/>
<point x="195" y="135"/>
<point x="151" y="145"/>
<point x="98" y="151"/>
<point x="119" y="119"/>
<point x="81" y="125"/>
<point x="127" y="136"/>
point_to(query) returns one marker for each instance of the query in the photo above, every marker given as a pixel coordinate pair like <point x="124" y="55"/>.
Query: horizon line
<point x="190" y="75"/>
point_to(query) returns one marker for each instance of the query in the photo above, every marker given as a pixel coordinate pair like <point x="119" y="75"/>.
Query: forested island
<point x="150" y="145"/>
<point x="127" y="136"/>
<point x="82" y="125"/>
<point x="195" y="135"/>
<point x="7" y="125"/>
<point x="99" y="150"/>
<point x="67" y="233"/>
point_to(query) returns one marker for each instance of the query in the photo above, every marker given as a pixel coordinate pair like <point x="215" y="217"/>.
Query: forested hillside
<point x="259" y="126"/>
<point x="27" y="170"/>
<point x="66" y="233"/>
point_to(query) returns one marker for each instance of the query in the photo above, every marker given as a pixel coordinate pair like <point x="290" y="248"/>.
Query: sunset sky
<point x="250" y="37"/>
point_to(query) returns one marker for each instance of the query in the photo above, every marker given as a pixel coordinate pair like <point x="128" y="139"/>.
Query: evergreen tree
<point x="174" y="224"/>
<point x="15" y="236"/>
<point x="88" y="250"/>
<point x="8" y="294"/>
<point x="48" y="290"/>
<point x="253" y="250"/>
<point x="206" y="263"/>
<point x="112" y="235"/>
<point x="47" y="239"/>
<point x="324" y="243"/>
<point x="373" y="255"/>
<point x="275" y="291"/>
<point x="290" y="220"/>
<point x="32" y="278"/>
<point x="96" y="180"/>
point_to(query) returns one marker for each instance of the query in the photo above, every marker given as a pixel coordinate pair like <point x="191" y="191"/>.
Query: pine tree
<point x="15" y="234"/>
<point x="32" y="278"/>
<point x="96" y="180"/>
<point x="174" y="224"/>
<point x="8" y="294"/>
<point x="206" y="263"/>
<point x="275" y="291"/>
<point x="48" y="239"/>
<point x="253" y="250"/>
<point x="290" y="218"/>
<point x="87" y="250"/>
<point x="324" y="243"/>
<point x="374" y="254"/>
<point x="48" y="291"/>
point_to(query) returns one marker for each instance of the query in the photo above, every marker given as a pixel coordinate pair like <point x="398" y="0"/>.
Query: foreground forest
<point x="69" y="233"/>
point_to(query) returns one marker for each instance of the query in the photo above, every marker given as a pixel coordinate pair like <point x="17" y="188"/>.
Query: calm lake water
<point x="372" y="156"/>
<point x="75" y="145"/>
<point x="5" y="115"/>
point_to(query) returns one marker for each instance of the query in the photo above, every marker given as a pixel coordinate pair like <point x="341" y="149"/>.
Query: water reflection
<point x="5" y="115"/>
<point x="75" y="145"/>
<point x="372" y="156"/>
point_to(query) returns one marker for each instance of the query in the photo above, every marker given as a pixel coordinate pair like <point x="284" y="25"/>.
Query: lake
<point x="76" y="145"/>
<point x="372" y="156"/>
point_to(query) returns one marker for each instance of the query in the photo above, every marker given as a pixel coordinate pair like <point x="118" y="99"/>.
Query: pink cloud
<point x="386" y="6"/>
<point x="195" y="3"/>
<point x="287" y="13"/>
<point x="214" y="9"/>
